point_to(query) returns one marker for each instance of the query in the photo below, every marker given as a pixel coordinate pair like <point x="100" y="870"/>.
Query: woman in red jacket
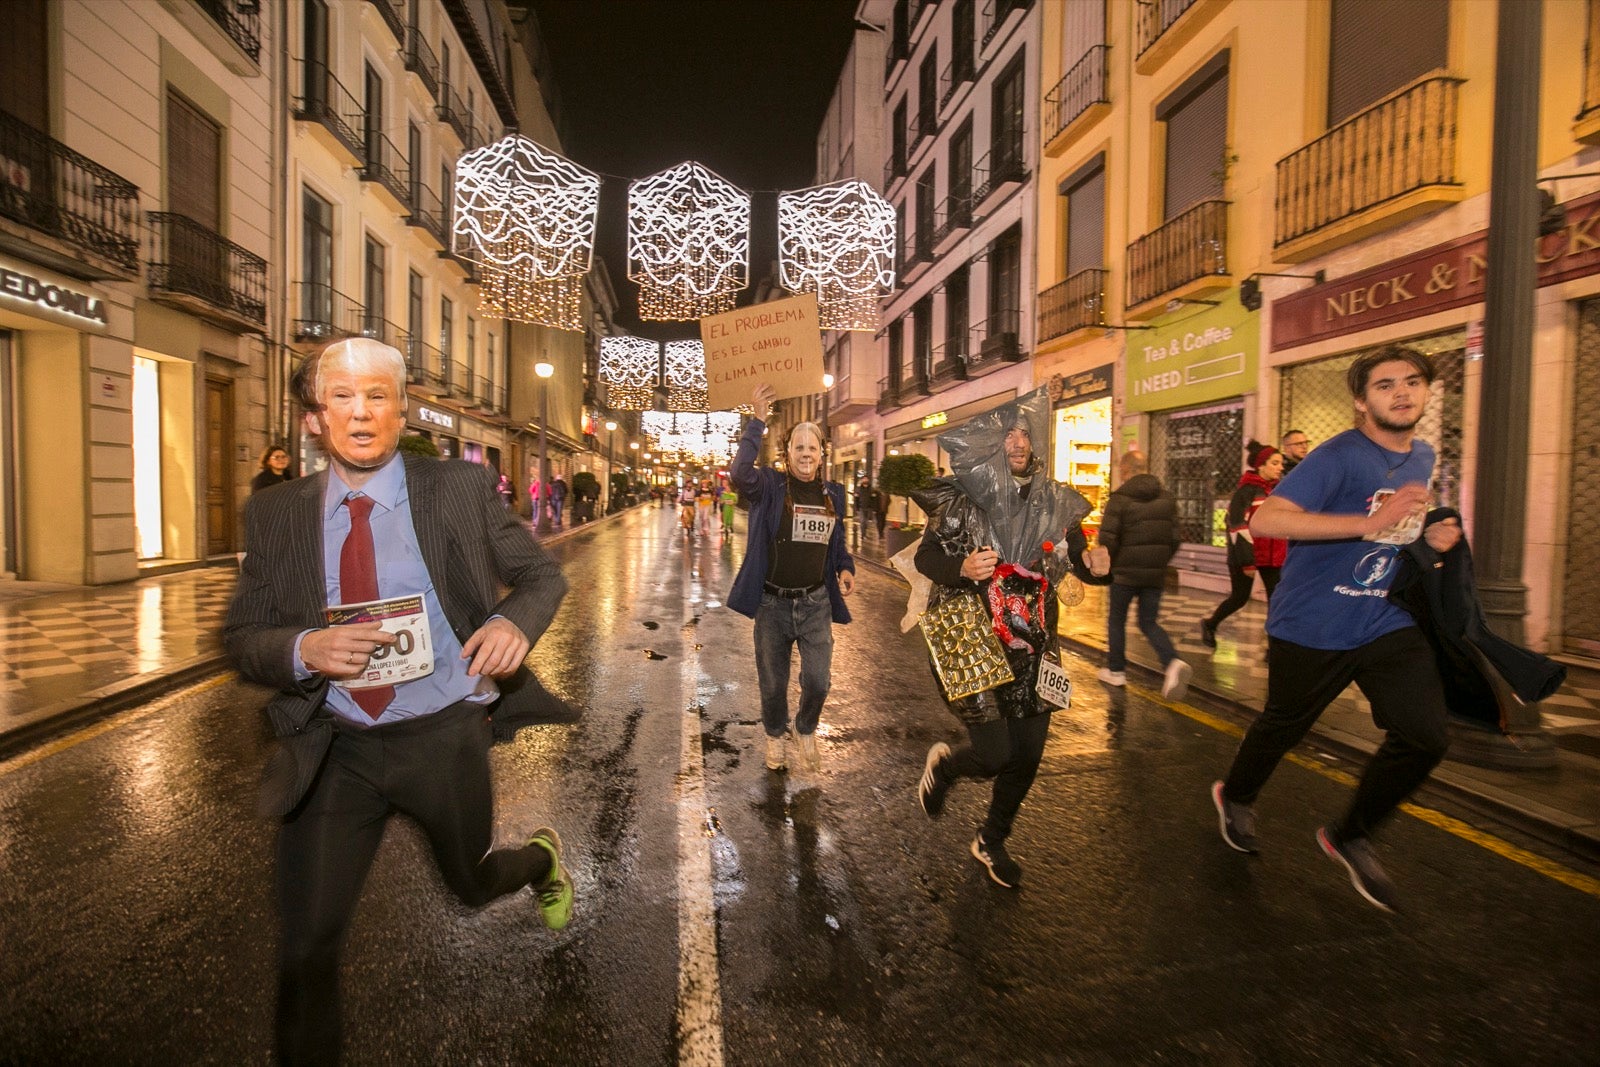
<point x="1246" y="556"/>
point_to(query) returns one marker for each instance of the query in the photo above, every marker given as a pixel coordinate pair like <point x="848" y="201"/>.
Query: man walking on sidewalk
<point x="1140" y="530"/>
<point x="372" y="599"/>
<point x="1348" y="507"/>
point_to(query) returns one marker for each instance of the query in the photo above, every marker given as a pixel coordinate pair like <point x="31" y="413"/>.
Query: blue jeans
<point x="1117" y="624"/>
<point x="780" y="625"/>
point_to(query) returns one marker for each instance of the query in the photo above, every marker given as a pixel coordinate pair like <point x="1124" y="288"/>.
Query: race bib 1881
<point x="812" y="525"/>
<point x="411" y="655"/>
<point x="1054" y="686"/>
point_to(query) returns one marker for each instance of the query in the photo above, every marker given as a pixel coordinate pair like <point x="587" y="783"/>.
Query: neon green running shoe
<point x="555" y="892"/>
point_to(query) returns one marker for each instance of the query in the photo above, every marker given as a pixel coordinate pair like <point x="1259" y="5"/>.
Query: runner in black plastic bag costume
<point x="988" y="525"/>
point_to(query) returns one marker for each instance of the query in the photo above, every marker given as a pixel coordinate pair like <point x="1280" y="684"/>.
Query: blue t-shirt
<point x="1335" y="594"/>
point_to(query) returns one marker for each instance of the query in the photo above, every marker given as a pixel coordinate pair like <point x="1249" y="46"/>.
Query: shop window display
<point x="1083" y="455"/>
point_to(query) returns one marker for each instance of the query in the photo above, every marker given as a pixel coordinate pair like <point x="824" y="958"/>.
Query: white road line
<point x="699" y="989"/>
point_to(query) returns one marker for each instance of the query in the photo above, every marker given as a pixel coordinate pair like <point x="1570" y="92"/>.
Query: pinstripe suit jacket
<point x="475" y="550"/>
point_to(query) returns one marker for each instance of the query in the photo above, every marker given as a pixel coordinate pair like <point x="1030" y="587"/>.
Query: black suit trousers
<point x="434" y="769"/>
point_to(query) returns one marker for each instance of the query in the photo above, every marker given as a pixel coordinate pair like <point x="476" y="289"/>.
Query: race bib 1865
<point x="411" y="655"/>
<point x="1054" y="686"/>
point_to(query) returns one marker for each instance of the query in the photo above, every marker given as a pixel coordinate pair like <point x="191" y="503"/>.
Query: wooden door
<point x="219" y="467"/>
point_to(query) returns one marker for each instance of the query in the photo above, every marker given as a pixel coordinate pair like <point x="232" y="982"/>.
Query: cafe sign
<point x="1445" y="276"/>
<point x="1194" y="355"/>
<point x="1069" y="389"/>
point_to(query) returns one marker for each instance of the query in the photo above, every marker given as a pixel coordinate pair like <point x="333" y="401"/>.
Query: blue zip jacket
<point x="763" y="487"/>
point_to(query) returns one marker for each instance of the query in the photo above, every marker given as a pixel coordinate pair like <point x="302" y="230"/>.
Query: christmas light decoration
<point x="516" y="295"/>
<point x="686" y="375"/>
<point x="708" y="437"/>
<point x="688" y="243"/>
<point x="838" y="241"/>
<point x="521" y="208"/>
<point x="628" y="367"/>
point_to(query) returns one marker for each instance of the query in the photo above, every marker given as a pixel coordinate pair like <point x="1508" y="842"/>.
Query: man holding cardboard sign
<point x="778" y="343"/>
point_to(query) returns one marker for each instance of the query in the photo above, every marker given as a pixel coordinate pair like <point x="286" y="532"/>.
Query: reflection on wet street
<point x="838" y="923"/>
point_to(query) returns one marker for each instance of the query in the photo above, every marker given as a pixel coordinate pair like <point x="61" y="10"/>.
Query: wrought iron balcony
<point x="921" y="370"/>
<point x="199" y="269"/>
<point x="922" y="243"/>
<point x="483" y="389"/>
<point x="953" y="216"/>
<point x="324" y="313"/>
<point x="240" y="20"/>
<point x="452" y="111"/>
<point x="427" y="214"/>
<point x="1190" y="247"/>
<point x="1075" y="304"/>
<point x="1398" y="146"/>
<point x="380" y="329"/>
<point x="996" y="342"/>
<point x="421" y="61"/>
<point x="325" y="101"/>
<point x="1003" y="167"/>
<point x="888" y="395"/>
<point x="949" y="364"/>
<point x="925" y="123"/>
<point x="424" y="363"/>
<point x="77" y="215"/>
<point x="960" y="71"/>
<point x="1084" y="86"/>
<point x="386" y="167"/>
<point x="1156" y="17"/>
<point x="459" y="382"/>
<point x="995" y="13"/>
<point x="892" y="170"/>
<point x="391" y="18"/>
<point x="898" y="52"/>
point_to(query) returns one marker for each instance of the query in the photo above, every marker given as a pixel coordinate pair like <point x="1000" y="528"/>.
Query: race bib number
<point x="1054" y="686"/>
<point x="411" y="655"/>
<point x="812" y="525"/>
<point x="1403" y="532"/>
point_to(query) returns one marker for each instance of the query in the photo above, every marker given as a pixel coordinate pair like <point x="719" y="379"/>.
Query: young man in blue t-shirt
<point x="1346" y="509"/>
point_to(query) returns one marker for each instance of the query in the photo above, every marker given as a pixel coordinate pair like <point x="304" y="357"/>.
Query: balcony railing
<point x="325" y="100"/>
<point x="1003" y="166"/>
<point x="1084" y="86"/>
<point x="62" y="194"/>
<point x="189" y="260"/>
<point x="421" y="61"/>
<point x="1156" y="17"/>
<point x="921" y="371"/>
<point x="888" y="395"/>
<point x="949" y="364"/>
<point x="459" y="381"/>
<point x="381" y="329"/>
<point x="898" y="52"/>
<point x="959" y="72"/>
<point x="1397" y="146"/>
<point x="324" y="313"/>
<point x="1190" y="247"/>
<point x="454" y="112"/>
<point x="424" y="363"/>
<point x="922" y="243"/>
<point x="895" y="168"/>
<point x="1075" y="304"/>
<point x="386" y="166"/>
<point x="994" y="16"/>
<point x="391" y="17"/>
<point x="925" y="123"/>
<point x="240" y="20"/>
<point x="427" y="213"/>
<point x="954" y="215"/>
<point x="995" y="342"/>
<point x="486" y="394"/>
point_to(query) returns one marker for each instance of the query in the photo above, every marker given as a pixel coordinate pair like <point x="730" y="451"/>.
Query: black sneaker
<point x="1208" y="633"/>
<point x="934" y="786"/>
<point x="1366" y="874"/>
<point x="1002" y="868"/>
<point x="1237" y="821"/>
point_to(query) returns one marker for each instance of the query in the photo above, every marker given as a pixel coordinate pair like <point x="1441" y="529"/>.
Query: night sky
<point x="739" y="86"/>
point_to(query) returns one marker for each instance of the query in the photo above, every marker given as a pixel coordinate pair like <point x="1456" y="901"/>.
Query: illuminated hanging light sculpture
<point x="838" y="241"/>
<point x="527" y="217"/>
<point x="688" y="243"/>
<point x="628" y="367"/>
<point x="686" y="375"/>
<point x="709" y="437"/>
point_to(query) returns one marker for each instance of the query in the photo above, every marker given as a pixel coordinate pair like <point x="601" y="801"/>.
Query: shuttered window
<point x="194" y="163"/>
<point x="1005" y="279"/>
<point x="1378" y="46"/>
<point x="1196" y="115"/>
<point x="955" y="312"/>
<point x="1085" y="196"/>
<point x="377" y="283"/>
<point x="1083" y="26"/>
<point x="24" y="56"/>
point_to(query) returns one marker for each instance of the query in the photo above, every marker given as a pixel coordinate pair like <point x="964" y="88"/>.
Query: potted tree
<point x="902" y="476"/>
<point x="585" y="491"/>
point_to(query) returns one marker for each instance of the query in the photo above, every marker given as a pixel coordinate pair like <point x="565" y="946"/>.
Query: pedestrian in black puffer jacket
<point x="1140" y="528"/>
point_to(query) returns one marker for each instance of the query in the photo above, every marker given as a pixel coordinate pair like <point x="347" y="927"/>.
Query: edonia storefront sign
<point x="1445" y="276"/>
<point x="35" y="292"/>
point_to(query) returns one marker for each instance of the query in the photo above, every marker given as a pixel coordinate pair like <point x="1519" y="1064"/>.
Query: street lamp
<point x="542" y="520"/>
<point x="611" y="429"/>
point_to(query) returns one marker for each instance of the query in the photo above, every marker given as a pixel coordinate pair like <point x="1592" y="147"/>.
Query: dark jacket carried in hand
<point x="1140" y="529"/>
<point x="1439" y="591"/>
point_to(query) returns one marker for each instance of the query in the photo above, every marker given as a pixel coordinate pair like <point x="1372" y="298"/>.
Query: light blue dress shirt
<point x="401" y="572"/>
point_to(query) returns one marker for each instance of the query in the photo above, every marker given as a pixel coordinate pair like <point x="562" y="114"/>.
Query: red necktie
<point x="358" y="582"/>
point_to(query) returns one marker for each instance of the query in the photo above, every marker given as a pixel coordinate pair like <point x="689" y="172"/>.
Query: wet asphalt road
<point x="136" y="924"/>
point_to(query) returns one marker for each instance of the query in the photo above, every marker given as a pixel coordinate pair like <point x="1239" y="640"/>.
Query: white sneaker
<point x="810" y="758"/>
<point x="1176" y="685"/>
<point x="1111" y="677"/>
<point x="775" y="757"/>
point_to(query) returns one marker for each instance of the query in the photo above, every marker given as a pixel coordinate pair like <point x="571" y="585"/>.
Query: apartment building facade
<point x="1240" y="196"/>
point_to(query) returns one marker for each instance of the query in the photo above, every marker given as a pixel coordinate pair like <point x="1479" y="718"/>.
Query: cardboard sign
<point x="778" y="342"/>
